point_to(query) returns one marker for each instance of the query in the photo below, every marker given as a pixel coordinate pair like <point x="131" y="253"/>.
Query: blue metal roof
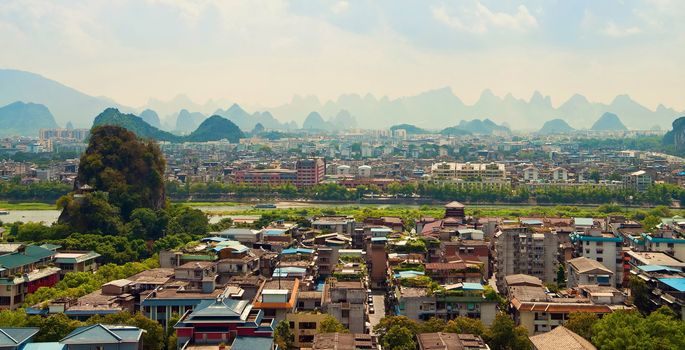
<point x="409" y="274"/>
<point x="472" y="286"/>
<point x="45" y="346"/>
<point x="663" y="240"/>
<point x="297" y="250"/>
<point x="379" y="239"/>
<point x="15" y="336"/>
<point x="274" y="232"/>
<point x="675" y="283"/>
<point x="655" y="268"/>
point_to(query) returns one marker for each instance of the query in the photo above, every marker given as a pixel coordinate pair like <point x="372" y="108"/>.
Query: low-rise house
<point x="24" y="271"/>
<point x="450" y="341"/>
<point x="345" y="341"/>
<point x="104" y="337"/>
<point x="225" y="321"/>
<point x="560" y="338"/>
<point x="75" y="261"/>
<point x="16" y="338"/>
<point x="305" y="326"/>
<point x="277" y="297"/>
<point x="584" y="271"/>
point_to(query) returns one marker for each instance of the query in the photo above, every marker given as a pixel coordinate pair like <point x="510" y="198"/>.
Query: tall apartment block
<point x="310" y="172"/>
<point x="526" y="250"/>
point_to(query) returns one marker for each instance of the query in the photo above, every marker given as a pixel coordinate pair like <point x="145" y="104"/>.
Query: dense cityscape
<point x="434" y="209"/>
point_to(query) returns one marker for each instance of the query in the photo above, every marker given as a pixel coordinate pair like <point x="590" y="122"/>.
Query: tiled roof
<point x="561" y="338"/>
<point x="103" y="334"/>
<point x="11" y="337"/>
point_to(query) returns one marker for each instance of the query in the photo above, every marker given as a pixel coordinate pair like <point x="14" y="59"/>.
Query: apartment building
<point x="346" y="301"/>
<point x="521" y="249"/>
<point x="309" y="172"/>
<point x="639" y="180"/>
<point x="492" y="173"/>
<point x="460" y="299"/>
<point x="585" y="271"/>
<point x="602" y="247"/>
<point x="24" y="271"/>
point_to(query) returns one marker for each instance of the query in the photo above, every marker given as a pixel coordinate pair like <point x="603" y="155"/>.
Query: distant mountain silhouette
<point x="247" y="121"/>
<point x="213" y="128"/>
<point x="314" y="121"/>
<point x="484" y="127"/>
<point x="65" y="103"/>
<point x="25" y="119"/>
<point x="151" y="117"/>
<point x="555" y="126"/>
<point x="112" y="116"/>
<point x="410" y="129"/>
<point x="187" y="121"/>
<point x="216" y="128"/>
<point x="441" y="107"/>
<point x="454" y="131"/>
<point x="608" y="122"/>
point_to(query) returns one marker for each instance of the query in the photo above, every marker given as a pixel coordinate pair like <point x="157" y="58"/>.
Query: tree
<point x="639" y="293"/>
<point x="581" y="323"/>
<point x="387" y="322"/>
<point x="283" y="335"/>
<point x="630" y="330"/>
<point x="399" y="338"/>
<point x="52" y="328"/>
<point x="561" y="276"/>
<point x="505" y="335"/>
<point x="464" y="324"/>
<point x="331" y="325"/>
<point x="433" y="325"/>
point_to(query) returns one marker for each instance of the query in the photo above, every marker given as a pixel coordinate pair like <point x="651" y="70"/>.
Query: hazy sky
<point x="262" y="52"/>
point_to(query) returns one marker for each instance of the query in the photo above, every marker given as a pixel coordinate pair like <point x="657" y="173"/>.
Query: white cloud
<point x="615" y="31"/>
<point x="340" y="7"/>
<point x="478" y="18"/>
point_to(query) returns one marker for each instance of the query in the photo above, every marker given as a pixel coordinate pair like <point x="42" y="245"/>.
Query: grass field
<point x="26" y="206"/>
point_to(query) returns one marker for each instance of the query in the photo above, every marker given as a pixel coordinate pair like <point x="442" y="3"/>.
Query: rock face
<point x="609" y="122"/>
<point x="25" y="119"/>
<point x="676" y="136"/>
<point x="555" y="126"/>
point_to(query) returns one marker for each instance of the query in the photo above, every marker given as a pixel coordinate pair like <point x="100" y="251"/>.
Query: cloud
<point x="613" y="30"/>
<point x="479" y="19"/>
<point x="340" y="7"/>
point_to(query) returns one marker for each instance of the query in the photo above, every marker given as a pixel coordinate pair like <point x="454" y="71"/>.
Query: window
<point x="600" y="259"/>
<point x="345" y="313"/>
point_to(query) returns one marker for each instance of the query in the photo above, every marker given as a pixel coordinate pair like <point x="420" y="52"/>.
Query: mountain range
<point x="425" y="110"/>
<point x="213" y="128"/>
<point x="25" y="119"/>
<point x="442" y="107"/>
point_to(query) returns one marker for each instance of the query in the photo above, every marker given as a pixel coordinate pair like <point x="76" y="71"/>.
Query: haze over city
<point x="261" y="53"/>
<point x="342" y="175"/>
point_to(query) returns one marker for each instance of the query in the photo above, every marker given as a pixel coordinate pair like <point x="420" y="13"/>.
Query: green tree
<point x="505" y="335"/>
<point x="283" y="335"/>
<point x="464" y="324"/>
<point x="620" y="330"/>
<point x="52" y="328"/>
<point x="387" y="322"/>
<point x="433" y="325"/>
<point x="399" y="338"/>
<point x="331" y="325"/>
<point x="639" y="294"/>
<point x="561" y="276"/>
<point x="581" y="323"/>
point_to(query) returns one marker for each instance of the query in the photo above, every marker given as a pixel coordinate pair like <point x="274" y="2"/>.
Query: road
<point x="379" y="307"/>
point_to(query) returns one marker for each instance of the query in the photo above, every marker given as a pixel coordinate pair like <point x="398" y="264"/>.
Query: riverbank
<point x="4" y="205"/>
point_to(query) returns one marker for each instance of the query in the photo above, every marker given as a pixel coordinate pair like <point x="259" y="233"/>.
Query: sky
<point x="261" y="53"/>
